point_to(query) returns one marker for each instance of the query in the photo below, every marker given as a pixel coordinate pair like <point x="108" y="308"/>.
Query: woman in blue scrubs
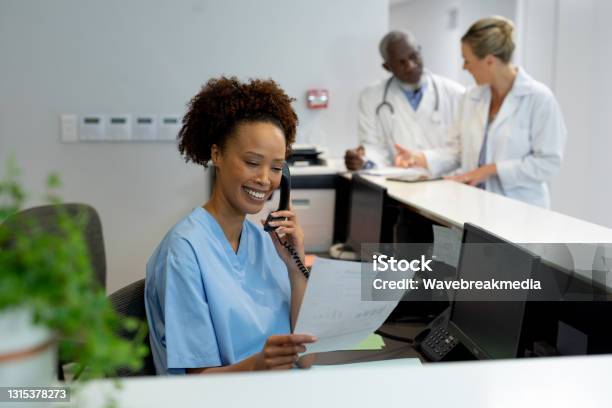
<point x="221" y="294"/>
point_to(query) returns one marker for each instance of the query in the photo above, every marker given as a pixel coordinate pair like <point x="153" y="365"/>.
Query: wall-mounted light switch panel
<point x="91" y="127"/>
<point x="69" y="125"/>
<point x="145" y="127"/>
<point x="169" y="126"/>
<point x="119" y="127"/>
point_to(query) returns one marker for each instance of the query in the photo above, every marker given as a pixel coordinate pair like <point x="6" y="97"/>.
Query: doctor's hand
<point x="354" y="159"/>
<point x="475" y="177"/>
<point x="281" y="351"/>
<point x="290" y="232"/>
<point x="409" y="158"/>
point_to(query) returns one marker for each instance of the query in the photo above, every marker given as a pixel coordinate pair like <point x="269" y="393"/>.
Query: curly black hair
<point x="223" y="104"/>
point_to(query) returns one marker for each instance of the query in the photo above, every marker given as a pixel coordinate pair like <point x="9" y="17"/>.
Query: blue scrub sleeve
<point x="190" y="335"/>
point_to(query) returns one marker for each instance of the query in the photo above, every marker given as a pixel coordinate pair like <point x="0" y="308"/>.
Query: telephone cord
<point x="295" y="256"/>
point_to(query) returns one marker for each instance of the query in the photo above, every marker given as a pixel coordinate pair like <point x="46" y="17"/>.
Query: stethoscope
<point x="435" y="116"/>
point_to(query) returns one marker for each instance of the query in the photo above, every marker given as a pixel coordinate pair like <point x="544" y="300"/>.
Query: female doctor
<point x="221" y="294"/>
<point x="510" y="135"/>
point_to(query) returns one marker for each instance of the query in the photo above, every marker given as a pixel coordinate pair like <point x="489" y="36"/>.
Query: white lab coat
<point x="423" y="129"/>
<point x="525" y="140"/>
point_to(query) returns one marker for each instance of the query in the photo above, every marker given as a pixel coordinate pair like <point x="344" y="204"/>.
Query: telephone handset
<point x="283" y="204"/>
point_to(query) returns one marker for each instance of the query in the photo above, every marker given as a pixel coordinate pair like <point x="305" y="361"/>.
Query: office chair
<point x="45" y="217"/>
<point x="129" y="302"/>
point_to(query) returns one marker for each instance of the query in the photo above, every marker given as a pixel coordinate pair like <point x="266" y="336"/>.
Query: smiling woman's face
<point x="478" y="67"/>
<point x="249" y="167"/>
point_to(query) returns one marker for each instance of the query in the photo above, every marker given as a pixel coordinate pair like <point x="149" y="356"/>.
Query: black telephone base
<point x="437" y="343"/>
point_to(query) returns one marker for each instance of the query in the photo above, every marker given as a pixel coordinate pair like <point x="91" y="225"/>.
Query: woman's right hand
<point x="281" y="351"/>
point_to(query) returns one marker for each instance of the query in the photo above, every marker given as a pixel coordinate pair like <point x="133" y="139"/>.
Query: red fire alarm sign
<point x="317" y="98"/>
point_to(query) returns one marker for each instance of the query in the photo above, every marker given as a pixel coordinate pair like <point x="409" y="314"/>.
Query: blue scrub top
<point x="207" y="305"/>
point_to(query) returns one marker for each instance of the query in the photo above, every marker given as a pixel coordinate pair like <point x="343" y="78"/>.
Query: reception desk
<point x="557" y="382"/>
<point x="453" y="204"/>
<point x="554" y="381"/>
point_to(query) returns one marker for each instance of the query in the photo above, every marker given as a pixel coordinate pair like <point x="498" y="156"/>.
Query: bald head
<point x="395" y="36"/>
<point x="402" y="56"/>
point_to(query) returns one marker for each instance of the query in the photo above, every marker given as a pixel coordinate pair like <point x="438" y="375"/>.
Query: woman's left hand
<point x="475" y="177"/>
<point x="289" y="231"/>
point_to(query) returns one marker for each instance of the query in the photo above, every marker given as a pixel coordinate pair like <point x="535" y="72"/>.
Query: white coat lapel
<point x="509" y="106"/>
<point x="404" y="119"/>
<point x="512" y="102"/>
<point x="426" y="106"/>
<point x="522" y="86"/>
<point x="400" y="102"/>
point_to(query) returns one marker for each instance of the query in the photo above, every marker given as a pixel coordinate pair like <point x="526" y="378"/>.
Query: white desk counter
<point x="319" y="170"/>
<point x="453" y="204"/>
<point x="559" y="382"/>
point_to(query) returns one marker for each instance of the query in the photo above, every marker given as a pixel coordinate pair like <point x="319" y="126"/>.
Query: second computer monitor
<point x="366" y="218"/>
<point x="488" y="327"/>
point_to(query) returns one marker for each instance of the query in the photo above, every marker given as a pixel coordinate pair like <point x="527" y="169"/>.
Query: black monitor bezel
<point x="350" y="239"/>
<point x="470" y="344"/>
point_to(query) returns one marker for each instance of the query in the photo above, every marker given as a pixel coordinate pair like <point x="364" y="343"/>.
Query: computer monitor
<point x="488" y="327"/>
<point x="366" y="217"/>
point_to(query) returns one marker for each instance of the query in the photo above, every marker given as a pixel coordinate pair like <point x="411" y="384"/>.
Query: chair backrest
<point x="129" y="302"/>
<point x="45" y="217"/>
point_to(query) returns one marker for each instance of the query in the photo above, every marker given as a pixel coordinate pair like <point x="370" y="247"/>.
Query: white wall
<point x="539" y="25"/>
<point x="575" y="62"/>
<point x="143" y="56"/>
<point x="600" y="172"/>
<point x="573" y="87"/>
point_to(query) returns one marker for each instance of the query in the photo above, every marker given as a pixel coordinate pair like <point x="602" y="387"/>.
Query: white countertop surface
<point x="453" y="204"/>
<point x="330" y="167"/>
<point x="559" y="382"/>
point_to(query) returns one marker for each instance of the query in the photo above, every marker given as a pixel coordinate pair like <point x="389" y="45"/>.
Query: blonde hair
<point x="491" y="35"/>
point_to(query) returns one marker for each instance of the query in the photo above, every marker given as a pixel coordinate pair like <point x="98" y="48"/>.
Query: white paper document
<point x="447" y="245"/>
<point x="332" y="309"/>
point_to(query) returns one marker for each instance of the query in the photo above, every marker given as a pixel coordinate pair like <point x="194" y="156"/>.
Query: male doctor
<point x="413" y="108"/>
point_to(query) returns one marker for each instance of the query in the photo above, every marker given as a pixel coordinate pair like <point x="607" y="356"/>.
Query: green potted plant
<point x="50" y="303"/>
